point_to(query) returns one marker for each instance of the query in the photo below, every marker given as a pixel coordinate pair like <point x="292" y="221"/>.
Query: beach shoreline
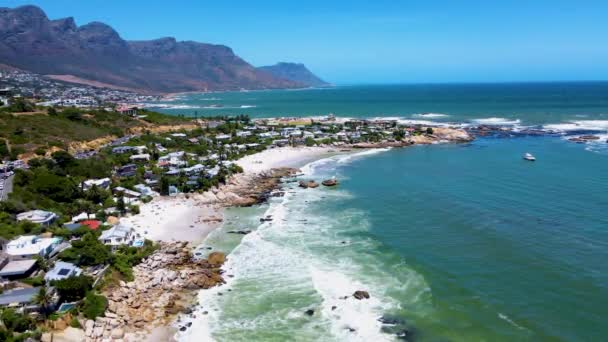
<point x="192" y="217"/>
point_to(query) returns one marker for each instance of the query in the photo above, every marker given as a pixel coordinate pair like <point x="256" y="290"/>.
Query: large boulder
<point x="216" y="258"/>
<point x="361" y="295"/>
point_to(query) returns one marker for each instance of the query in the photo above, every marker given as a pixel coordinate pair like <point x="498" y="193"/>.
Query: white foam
<point x="510" y="321"/>
<point x="310" y="168"/>
<point x="283" y="256"/>
<point x="430" y="115"/>
<point x="350" y="313"/>
<point x="497" y="121"/>
<point x="578" y="125"/>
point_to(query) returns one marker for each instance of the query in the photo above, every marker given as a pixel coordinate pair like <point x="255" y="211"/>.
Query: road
<point x="7" y="188"/>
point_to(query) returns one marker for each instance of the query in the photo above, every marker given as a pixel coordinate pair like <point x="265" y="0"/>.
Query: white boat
<point x="529" y="157"/>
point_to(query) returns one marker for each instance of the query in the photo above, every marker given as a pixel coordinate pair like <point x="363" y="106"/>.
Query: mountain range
<point x="95" y="54"/>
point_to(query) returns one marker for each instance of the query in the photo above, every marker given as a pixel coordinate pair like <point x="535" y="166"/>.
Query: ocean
<point x="462" y="242"/>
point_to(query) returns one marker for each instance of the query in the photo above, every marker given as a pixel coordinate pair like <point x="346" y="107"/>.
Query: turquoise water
<point x="454" y="242"/>
<point x="532" y="103"/>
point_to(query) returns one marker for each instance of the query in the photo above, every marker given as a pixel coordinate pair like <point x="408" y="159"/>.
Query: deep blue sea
<point x="464" y="242"/>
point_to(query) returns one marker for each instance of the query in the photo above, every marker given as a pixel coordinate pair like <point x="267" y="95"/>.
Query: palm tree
<point x="44" y="299"/>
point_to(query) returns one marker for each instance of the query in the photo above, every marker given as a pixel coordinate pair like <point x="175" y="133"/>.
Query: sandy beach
<point x="281" y="157"/>
<point x="192" y="219"/>
<point x="175" y="219"/>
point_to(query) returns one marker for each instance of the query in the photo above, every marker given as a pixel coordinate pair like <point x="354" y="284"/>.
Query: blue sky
<point x="378" y="41"/>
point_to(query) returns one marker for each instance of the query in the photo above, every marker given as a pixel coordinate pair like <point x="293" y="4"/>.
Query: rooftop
<point x="17" y="267"/>
<point x="37" y="216"/>
<point x="19" y="296"/>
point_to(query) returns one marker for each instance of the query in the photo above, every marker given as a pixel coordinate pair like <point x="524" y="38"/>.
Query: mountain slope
<point x="95" y="52"/>
<point x="295" y="72"/>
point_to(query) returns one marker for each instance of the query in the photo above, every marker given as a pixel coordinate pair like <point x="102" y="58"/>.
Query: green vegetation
<point x="94" y="305"/>
<point x="88" y="251"/>
<point x="37" y="131"/>
<point x="73" y="288"/>
<point x="126" y="257"/>
<point x="16" y="322"/>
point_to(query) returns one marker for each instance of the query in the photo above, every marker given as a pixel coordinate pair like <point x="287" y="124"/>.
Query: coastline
<point x="191" y="218"/>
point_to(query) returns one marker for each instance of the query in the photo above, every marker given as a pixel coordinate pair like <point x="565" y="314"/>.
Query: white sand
<point x="174" y="219"/>
<point x="181" y="219"/>
<point x="281" y="157"/>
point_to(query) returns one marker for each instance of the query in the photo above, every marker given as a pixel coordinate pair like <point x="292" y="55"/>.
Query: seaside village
<point x="63" y="243"/>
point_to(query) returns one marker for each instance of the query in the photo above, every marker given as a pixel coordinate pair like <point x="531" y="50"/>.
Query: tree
<point x="52" y="111"/>
<point x="63" y="159"/>
<point x="120" y="206"/>
<point x="73" y="288"/>
<point x="44" y="299"/>
<point x="88" y="251"/>
<point x="164" y="186"/>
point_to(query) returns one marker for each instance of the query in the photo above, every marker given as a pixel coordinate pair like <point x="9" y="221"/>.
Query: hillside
<point x="25" y="134"/>
<point x="295" y="72"/>
<point x="95" y="53"/>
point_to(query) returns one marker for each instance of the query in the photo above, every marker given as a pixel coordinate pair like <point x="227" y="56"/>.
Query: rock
<point x="88" y="327"/>
<point x="216" y="258"/>
<point x="390" y="320"/>
<point x="404" y="334"/>
<point x="98" y="331"/>
<point x="46" y="337"/>
<point x="241" y="232"/>
<point x="330" y="182"/>
<point x="310" y="312"/>
<point x="361" y="295"/>
<point x="308" y="184"/>
<point x="117" y="333"/>
<point x="333" y="308"/>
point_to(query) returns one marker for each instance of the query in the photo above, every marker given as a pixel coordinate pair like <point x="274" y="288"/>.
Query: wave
<point x="430" y="115"/>
<point x="578" y="125"/>
<point x="298" y="262"/>
<point x="494" y="121"/>
<point x="310" y="168"/>
<point x="510" y="321"/>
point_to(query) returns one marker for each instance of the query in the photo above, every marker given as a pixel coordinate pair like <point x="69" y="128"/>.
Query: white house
<point x="243" y="133"/>
<point x="103" y="183"/>
<point x="118" y="235"/>
<point x="62" y="270"/>
<point x="140" y="157"/>
<point x="222" y="137"/>
<point x="145" y="190"/>
<point x="37" y="216"/>
<point x="30" y="246"/>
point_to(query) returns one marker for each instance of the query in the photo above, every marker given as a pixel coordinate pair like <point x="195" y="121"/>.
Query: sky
<point x="380" y="41"/>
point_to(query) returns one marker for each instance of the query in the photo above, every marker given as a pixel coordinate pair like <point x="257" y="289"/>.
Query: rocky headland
<point x="165" y="284"/>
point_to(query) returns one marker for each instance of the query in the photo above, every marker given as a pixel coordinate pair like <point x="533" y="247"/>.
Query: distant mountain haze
<point x="296" y="72"/>
<point x="96" y="54"/>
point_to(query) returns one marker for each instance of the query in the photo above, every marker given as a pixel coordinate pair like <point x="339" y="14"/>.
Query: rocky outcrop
<point x="330" y="182"/>
<point x="164" y="285"/>
<point x="584" y="138"/>
<point x="308" y="184"/>
<point x="361" y="295"/>
<point x="244" y="190"/>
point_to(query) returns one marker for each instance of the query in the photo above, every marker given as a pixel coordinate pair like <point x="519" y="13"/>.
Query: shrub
<point x="15" y="321"/>
<point x="94" y="305"/>
<point x="429" y="130"/>
<point x="74" y="323"/>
